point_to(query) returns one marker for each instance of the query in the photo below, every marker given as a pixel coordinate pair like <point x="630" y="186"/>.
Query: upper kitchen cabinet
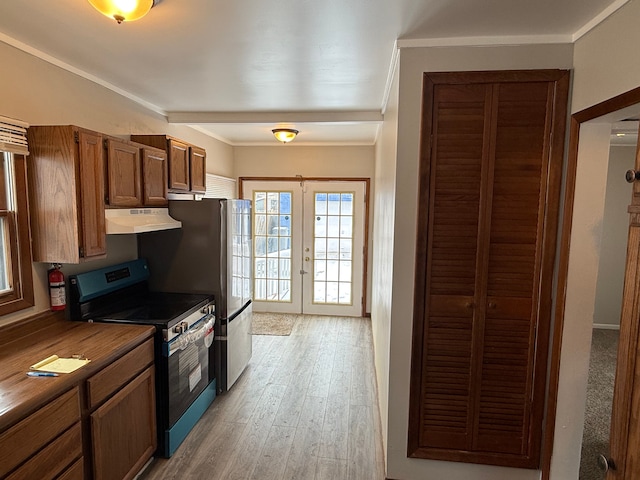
<point x="187" y="163"/>
<point x="136" y="174"/>
<point x="124" y="173"/>
<point x="66" y="194"/>
<point x="154" y="177"/>
<point x="198" y="169"/>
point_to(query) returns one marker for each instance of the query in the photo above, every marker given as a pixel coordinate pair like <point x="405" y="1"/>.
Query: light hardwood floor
<point x="305" y="409"/>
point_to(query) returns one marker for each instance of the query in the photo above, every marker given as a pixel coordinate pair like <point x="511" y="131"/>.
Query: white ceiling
<point x="237" y="69"/>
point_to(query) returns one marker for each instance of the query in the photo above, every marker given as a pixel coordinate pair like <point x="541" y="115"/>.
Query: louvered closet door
<point x="513" y="266"/>
<point x="461" y="113"/>
<point x="478" y="387"/>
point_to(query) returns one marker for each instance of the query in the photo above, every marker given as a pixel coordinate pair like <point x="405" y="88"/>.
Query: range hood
<point x="138" y="220"/>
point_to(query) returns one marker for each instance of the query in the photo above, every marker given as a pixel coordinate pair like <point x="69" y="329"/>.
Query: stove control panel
<point x="186" y="323"/>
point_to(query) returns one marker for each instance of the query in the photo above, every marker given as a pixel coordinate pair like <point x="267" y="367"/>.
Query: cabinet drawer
<point x="52" y="459"/>
<point x="34" y="432"/>
<point x="111" y="378"/>
<point x="74" y="472"/>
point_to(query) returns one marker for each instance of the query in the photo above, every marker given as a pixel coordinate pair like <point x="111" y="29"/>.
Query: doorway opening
<point x="575" y="292"/>
<point x="607" y="302"/>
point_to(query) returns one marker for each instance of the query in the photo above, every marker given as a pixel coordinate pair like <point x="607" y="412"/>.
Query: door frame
<point x="619" y="102"/>
<point x="367" y="197"/>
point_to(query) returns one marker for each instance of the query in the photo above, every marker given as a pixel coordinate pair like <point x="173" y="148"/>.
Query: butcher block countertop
<point x="29" y="341"/>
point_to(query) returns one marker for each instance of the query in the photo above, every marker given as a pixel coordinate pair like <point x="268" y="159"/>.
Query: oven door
<point x="186" y="359"/>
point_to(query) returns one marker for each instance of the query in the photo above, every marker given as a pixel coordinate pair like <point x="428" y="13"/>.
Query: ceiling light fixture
<point x="285" y="135"/>
<point x="123" y="10"/>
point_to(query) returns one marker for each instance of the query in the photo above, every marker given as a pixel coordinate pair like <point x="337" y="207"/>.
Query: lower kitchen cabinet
<point x="97" y="423"/>
<point x="123" y="430"/>
<point x="45" y="443"/>
<point x="54" y="458"/>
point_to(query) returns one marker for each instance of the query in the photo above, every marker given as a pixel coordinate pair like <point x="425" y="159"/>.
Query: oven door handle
<point x="202" y="330"/>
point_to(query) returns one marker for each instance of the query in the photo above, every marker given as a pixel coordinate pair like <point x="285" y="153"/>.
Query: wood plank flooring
<point x="305" y="409"/>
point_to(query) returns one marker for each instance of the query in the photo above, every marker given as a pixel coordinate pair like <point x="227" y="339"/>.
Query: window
<point x="16" y="282"/>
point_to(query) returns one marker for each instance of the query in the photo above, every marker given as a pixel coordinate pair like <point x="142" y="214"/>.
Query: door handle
<point x="632" y="175"/>
<point x="605" y="464"/>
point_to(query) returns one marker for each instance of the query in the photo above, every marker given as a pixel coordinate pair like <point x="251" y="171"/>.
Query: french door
<point x="308" y="246"/>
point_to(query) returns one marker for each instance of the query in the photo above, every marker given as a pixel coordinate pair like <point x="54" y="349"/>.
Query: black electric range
<point x="183" y="342"/>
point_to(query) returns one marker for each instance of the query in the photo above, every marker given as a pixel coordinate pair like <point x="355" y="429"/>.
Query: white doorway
<point x="309" y="245"/>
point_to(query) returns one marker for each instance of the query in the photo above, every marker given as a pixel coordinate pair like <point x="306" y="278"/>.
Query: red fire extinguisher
<point x="56" y="288"/>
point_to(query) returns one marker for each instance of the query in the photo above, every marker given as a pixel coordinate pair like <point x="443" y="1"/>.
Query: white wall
<point x="413" y="62"/>
<point x="606" y="59"/>
<point x="289" y="160"/>
<point x="586" y="236"/>
<point x="385" y="179"/>
<point x="42" y="94"/>
<point x="615" y="227"/>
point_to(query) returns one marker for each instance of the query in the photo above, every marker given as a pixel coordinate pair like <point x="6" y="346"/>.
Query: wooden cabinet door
<point x="91" y="203"/>
<point x="198" y="169"/>
<point x="154" y="170"/>
<point x="123" y="430"/>
<point x="124" y="174"/>
<point x="484" y="268"/>
<point x="178" y="165"/>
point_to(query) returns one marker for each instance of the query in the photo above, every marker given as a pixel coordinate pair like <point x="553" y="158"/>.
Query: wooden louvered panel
<point x="456" y="168"/>
<point x="507" y="363"/>
<point x="513" y="269"/>
<point x="518" y="176"/>
<point x="455" y="198"/>
<point x="446" y="373"/>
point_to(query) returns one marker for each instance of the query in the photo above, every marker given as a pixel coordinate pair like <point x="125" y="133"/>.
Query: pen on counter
<point x="42" y="374"/>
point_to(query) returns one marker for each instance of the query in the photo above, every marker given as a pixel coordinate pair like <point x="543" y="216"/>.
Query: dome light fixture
<point x="285" y="135"/>
<point x="123" y="10"/>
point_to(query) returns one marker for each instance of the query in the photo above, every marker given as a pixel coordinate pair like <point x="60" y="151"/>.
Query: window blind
<point x="13" y="136"/>
<point x="220" y="187"/>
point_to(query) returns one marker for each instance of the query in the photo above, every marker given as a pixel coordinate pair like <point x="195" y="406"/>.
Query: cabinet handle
<point x="492" y="305"/>
<point x="470" y="305"/>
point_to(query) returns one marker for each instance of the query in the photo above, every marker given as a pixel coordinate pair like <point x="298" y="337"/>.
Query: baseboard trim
<point x="606" y="326"/>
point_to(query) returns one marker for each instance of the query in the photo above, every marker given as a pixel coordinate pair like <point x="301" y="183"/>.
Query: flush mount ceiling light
<point x="285" y="135"/>
<point x="123" y="10"/>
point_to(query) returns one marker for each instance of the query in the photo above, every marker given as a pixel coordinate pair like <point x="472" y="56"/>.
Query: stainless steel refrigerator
<point x="212" y="254"/>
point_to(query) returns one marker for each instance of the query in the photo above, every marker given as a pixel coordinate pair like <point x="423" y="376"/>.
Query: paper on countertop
<point x="56" y="364"/>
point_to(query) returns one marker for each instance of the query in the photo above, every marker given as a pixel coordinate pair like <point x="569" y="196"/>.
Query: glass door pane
<point x="334" y="245"/>
<point x="276" y="219"/>
<point x="272" y="239"/>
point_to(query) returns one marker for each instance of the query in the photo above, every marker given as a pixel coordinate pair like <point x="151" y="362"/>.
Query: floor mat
<point x="273" y="323"/>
